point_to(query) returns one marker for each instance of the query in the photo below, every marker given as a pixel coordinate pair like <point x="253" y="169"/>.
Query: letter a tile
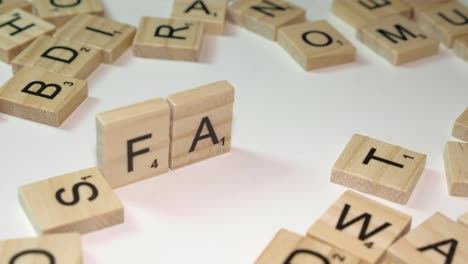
<point x="288" y="247"/>
<point x="316" y="44"/>
<point x="59" y="248"/>
<point x="173" y="39"/>
<point x="60" y="12"/>
<point x="18" y="29"/>
<point x="61" y="56"/>
<point x="8" y="5"/>
<point x="398" y="39"/>
<point x="42" y="96"/>
<point x="460" y="128"/>
<point x="265" y="17"/>
<point x="456" y="168"/>
<point x="445" y="22"/>
<point x="133" y="142"/>
<point x="379" y="168"/>
<point x="211" y="12"/>
<point x="359" y="13"/>
<point x="112" y="37"/>
<point x="201" y="123"/>
<point x="437" y="240"/>
<point x="76" y="202"/>
<point x="361" y="226"/>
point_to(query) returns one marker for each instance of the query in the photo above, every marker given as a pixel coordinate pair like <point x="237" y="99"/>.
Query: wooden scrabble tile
<point x="446" y="22"/>
<point x="211" y="12"/>
<point x="76" y="202"/>
<point x="460" y="128"/>
<point x="57" y="248"/>
<point x="378" y="168"/>
<point x="424" y="3"/>
<point x="456" y="168"/>
<point x="110" y="36"/>
<point x="61" y="56"/>
<point x="398" y="39"/>
<point x="463" y="220"/>
<point x="18" y="29"/>
<point x="42" y="96"/>
<point x="133" y="142"/>
<point x="361" y="226"/>
<point x="201" y="121"/>
<point x="173" y="39"/>
<point x="8" y="5"/>
<point x="60" y="12"/>
<point x="437" y="240"/>
<point x="359" y="13"/>
<point x="289" y="247"/>
<point x="316" y="44"/>
<point x="265" y="17"/>
<point x="461" y="47"/>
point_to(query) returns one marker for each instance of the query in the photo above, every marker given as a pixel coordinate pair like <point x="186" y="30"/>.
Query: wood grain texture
<point x="461" y="48"/>
<point x="61" y="56"/>
<point x="60" y="12"/>
<point x="361" y="226"/>
<point x="424" y="3"/>
<point x="432" y="243"/>
<point x="398" y="39"/>
<point x="456" y="168"/>
<point x="133" y="142"/>
<point x="445" y="22"/>
<point x="265" y="17"/>
<point x="463" y="220"/>
<point x="80" y="202"/>
<point x="289" y="247"/>
<point x="201" y="123"/>
<point x="8" y="5"/>
<point x="358" y="13"/>
<point x="212" y="13"/>
<point x="111" y="37"/>
<point x="42" y="96"/>
<point x="173" y="39"/>
<point x="316" y="44"/>
<point x="57" y="248"/>
<point x="460" y="128"/>
<point x="359" y="167"/>
<point x="18" y="29"/>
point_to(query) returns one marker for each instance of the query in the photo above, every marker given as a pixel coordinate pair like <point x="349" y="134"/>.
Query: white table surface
<point x="290" y="126"/>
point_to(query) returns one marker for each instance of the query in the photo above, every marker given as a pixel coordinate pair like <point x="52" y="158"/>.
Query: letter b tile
<point x="201" y="123"/>
<point x="379" y="168"/>
<point x="361" y="226"/>
<point x="42" y="96"/>
<point x="61" y="56"/>
<point x="133" y="142"/>
<point x="76" y="202"/>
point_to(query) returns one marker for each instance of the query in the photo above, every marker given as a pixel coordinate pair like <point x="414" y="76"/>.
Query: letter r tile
<point x="42" y="96"/>
<point x="438" y="240"/>
<point x="133" y="142"/>
<point x="378" y="168"/>
<point x="61" y="56"/>
<point x="361" y="226"/>
<point x="201" y="123"/>
<point x="80" y="202"/>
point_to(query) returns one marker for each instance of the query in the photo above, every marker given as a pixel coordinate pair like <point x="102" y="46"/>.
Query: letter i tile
<point x="42" y="96"/>
<point x="378" y="168"/>
<point x="76" y="202"/>
<point x="133" y="142"/>
<point x="61" y="56"/>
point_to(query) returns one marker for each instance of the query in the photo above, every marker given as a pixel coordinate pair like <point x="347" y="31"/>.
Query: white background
<point x="290" y="126"/>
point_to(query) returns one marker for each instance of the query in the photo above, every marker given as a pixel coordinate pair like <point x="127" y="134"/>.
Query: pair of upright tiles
<point x="49" y="84"/>
<point x="133" y="143"/>
<point x="358" y="230"/>
<point x="313" y="44"/>
<point x="385" y="26"/>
